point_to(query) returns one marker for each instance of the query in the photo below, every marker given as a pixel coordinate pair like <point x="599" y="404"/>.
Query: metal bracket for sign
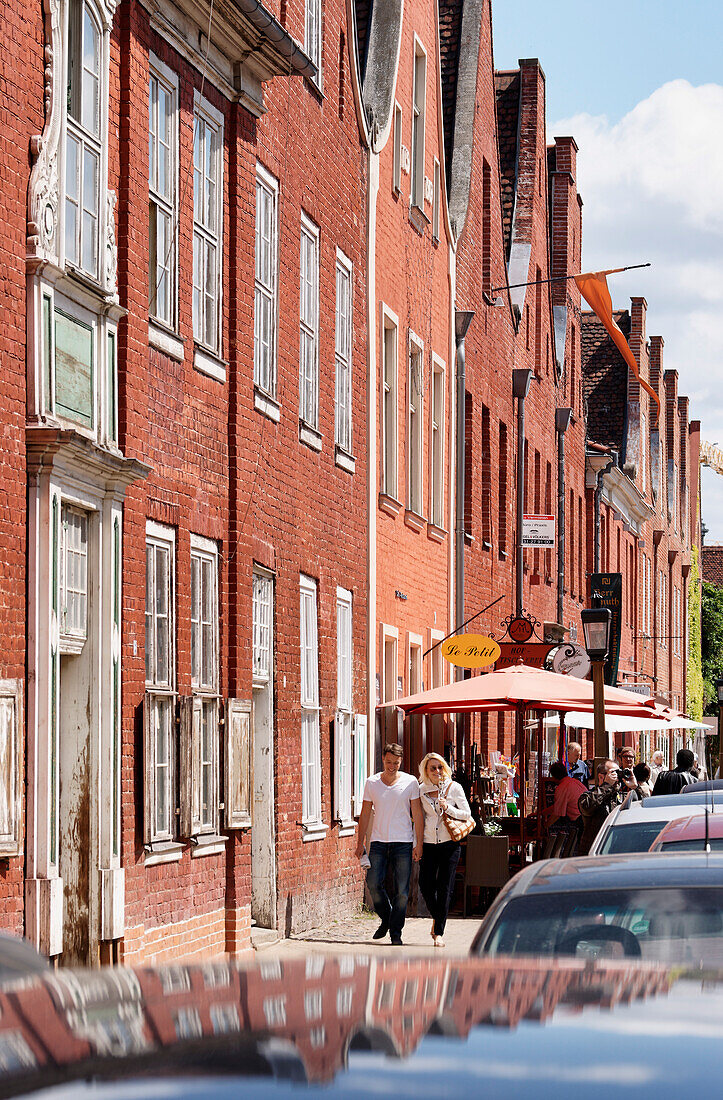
<point x="519" y="627"/>
<point x="464" y="624"/>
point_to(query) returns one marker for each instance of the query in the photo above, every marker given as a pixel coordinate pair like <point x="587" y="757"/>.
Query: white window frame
<point x="343" y="330"/>
<point x="436" y="199"/>
<point x="207" y="231"/>
<point x="344" y="718"/>
<point x="415" y="673"/>
<point x="437" y="662"/>
<point x="419" y="113"/>
<point x="205" y="691"/>
<point x="397" y="150"/>
<point x="73" y="636"/>
<point x="415" y="425"/>
<point x="262" y="625"/>
<point x="389" y="383"/>
<point x="389" y="679"/>
<point x="313" y="30"/>
<point x="265" y="285"/>
<point x="164" y="204"/>
<point x="161" y="693"/>
<point x="90" y="143"/>
<point x="309" y="323"/>
<point x="311" y="809"/>
<point x="437" y="426"/>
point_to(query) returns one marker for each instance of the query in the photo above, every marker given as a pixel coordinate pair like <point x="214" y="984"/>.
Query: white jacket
<point x="435" y="831"/>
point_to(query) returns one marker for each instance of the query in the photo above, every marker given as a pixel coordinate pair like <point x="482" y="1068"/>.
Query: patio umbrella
<point x="615" y="723"/>
<point x="521" y="687"/>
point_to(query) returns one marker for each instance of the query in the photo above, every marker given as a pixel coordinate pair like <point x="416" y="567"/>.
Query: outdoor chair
<point x="486" y="864"/>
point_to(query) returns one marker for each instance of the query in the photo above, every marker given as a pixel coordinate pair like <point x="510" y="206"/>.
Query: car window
<point x="674" y="925"/>
<point x="716" y="845"/>
<point x="630" y="838"/>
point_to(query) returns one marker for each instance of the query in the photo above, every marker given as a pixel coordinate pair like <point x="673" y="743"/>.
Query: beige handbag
<point x="458" y="829"/>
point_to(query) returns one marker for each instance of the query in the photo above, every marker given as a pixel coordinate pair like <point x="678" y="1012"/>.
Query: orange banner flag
<point x="593" y="286"/>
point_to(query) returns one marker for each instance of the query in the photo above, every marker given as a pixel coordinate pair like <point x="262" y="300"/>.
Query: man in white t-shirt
<point x="394" y="797"/>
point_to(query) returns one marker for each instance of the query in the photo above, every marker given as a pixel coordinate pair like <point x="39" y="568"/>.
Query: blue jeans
<point x="398" y="858"/>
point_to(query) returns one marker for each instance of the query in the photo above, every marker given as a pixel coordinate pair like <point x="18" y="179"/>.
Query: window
<point x="312" y="34"/>
<point x="309" y="324"/>
<point x="397" y="163"/>
<point x="262" y="600"/>
<point x="502" y="493"/>
<point x="160" y="682"/>
<point x="207" y="224"/>
<point x="389" y="408"/>
<point x="486" y="228"/>
<point x="344" y="1000"/>
<point x="643" y="453"/>
<point x="162" y="145"/>
<point x="85" y="99"/>
<point x="267" y="191"/>
<point x="415" y="390"/>
<point x="436" y="448"/>
<point x="390" y="669"/>
<point x="204" y="681"/>
<point x="225" y="1019"/>
<point x="419" y="100"/>
<point x="343" y="722"/>
<point x="188" y="1024"/>
<point x="11" y="777"/>
<point x="414" y="671"/>
<point x="661" y="625"/>
<point x="310" y="741"/>
<point x="313" y="1004"/>
<point x="343" y="337"/>
<point x="436" y="200"/>
<point x="73" y="567"/>
<point x="486" y="480"/>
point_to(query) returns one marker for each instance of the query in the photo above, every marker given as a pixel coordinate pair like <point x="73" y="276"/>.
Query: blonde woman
<point x="440" y="854"/>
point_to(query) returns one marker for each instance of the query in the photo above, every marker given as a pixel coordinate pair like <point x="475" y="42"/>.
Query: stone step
<point x="262" y="938"/>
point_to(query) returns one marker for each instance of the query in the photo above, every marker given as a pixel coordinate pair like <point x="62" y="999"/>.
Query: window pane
<point x="150" y="588"/>
<point x="90" y="211"/>
<point x="91" y="72"/>
<point x="195" y="620"/>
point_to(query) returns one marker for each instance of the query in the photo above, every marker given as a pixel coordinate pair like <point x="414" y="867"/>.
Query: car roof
<point x="687" y="798"/>
<point x="691" y="828"/>
<point x="639" y="869"/>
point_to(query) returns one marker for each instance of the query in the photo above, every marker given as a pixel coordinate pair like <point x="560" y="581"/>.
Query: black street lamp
<point x="596" y="630"/>
<point x="719" y="693"/>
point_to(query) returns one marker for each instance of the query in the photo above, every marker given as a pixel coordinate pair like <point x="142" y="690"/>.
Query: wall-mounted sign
<point x="470" y="650"/>
<point x="606" y="590"/>
<point x="571" y="659"/>
<point x="538" y="531"/>
<point x="532" y="654"/>
<point x="520" y="630"/>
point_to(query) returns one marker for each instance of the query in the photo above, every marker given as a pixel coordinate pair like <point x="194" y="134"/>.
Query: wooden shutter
<point x="10" y="768"/>
<point x="190" y="765"/>
<point x="238" y="770"/>
<point x="359" y="758"/>
<point x="338" y="765"/>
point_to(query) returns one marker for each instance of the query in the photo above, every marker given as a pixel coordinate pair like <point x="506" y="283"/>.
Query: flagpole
<point x="564" y="278"/>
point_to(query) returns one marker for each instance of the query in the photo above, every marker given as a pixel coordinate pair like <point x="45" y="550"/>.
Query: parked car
<point x="691" y="834"/>
<point x="634" y="826"/>
<point x="664" y="908"/>
<point x="364" y="1026"/>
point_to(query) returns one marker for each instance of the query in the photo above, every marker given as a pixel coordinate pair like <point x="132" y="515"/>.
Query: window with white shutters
<point x="309" y="682"/>
<point x="343" y="329"/>
<point x="389" y="408"/>
<point x="204" y="680"/>
<point x="160" y="754"/>
<point x="11" y="777"/>
<point x="262" y="598"/>
<point x="436" y="445"/>
<point x="343" y="722"/>
<point x="73" y="568"/>
<point x="415" y="390"/>
<point x="309" y="324"/>
<point x="207" y="224"/>
<point x="265" y="306"/>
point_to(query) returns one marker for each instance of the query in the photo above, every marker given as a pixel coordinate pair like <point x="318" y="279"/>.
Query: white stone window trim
<point x="415" y="647"/>
<point x="436" y="660"/>
<point x="309" y="252"/>
<point x="212" y="117"/>
<point x="397" y="150"/>
<point x="164" y="847"/>
<point x="343" y="358"/>
<point x="314" y="37"/>
<point x="169" y="78"/>
<point x="389" y="478"/>
<point x="415" y="389"/>
<point x="267" y="387"/>
<point x="389" y="633"/>
<point x="344" y="717"/>
<point x="207" y="840"/>
<point x="266" y="580"/>
<point x="418" y="129"/>
<point x="437" y="441"/>
<point x="313" y="826"/>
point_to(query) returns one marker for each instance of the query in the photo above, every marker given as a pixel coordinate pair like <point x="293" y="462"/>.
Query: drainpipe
<point x="562" y="422"/>
<point x="521" y="378"/>
<point x="462" y="321"/>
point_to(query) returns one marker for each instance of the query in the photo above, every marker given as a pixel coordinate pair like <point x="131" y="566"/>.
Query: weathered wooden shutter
<point x="149" y="772"/>
<point x="237" y="793"/>
<point x="190" y="765"/>
<point x="10" y="768"/>
<point x="360" y="754"/>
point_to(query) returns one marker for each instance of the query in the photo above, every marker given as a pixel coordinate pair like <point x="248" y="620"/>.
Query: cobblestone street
<point x="355" y="932"/>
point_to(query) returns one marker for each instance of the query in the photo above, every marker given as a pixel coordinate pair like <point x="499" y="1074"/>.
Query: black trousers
<point x="436" y="879"/>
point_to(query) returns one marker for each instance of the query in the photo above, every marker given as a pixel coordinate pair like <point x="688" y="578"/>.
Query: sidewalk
<point x="355" y="932"/>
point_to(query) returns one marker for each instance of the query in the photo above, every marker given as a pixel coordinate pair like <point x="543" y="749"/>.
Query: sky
<point x="639" y="84"/>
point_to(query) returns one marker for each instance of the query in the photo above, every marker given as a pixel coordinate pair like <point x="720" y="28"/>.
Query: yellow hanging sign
<point x="470" y="650"/>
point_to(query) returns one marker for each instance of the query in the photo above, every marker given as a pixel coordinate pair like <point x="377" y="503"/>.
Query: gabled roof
<point x="507" y="89"/>
<point x="450" y="30"/>
<point x="604" y="381"/>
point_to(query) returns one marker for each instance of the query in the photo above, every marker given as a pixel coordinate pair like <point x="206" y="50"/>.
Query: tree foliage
<point x="695" y="690"/>
<point x="712" y="642"/>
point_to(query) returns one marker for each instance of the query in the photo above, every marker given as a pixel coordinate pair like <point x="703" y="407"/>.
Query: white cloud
<point x="651" y="186"/>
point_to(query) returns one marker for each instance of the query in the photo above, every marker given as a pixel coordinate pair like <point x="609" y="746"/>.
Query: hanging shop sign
<point x="571" y="659"/>
<point x="538" y="531"/>
<point x="470" y="650"/>
<point x="606" y="590"/>
<point x="533" y="654"/>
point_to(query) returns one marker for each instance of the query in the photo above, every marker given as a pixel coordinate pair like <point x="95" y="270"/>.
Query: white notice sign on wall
<point x="538" y="531"/>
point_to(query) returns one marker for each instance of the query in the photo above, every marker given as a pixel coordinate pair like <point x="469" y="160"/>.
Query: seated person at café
<point x="564" y="811"/>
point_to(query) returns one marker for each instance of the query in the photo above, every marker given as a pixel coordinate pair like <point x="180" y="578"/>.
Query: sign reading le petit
<point x="538" y="531"/>
<point x="470" y="650"/>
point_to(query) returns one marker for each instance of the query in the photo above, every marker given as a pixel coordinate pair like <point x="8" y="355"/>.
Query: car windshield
<point x="630" y="838"/>
<point x="674" y="925"/>
<point x="690" y="845"/>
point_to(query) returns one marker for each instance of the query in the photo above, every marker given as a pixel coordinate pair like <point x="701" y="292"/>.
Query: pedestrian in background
<point x="642" y="774"/>
<point x="610" y="790"/>
<point x="672" y="782"/>
<point x="576" y="766"/>
<point x="393" y="795"/>
<point x="439" y="794"/>
<point x="657" y="765"/>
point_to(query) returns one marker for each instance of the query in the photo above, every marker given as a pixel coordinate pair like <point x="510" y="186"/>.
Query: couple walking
<point x="408" y="826"/>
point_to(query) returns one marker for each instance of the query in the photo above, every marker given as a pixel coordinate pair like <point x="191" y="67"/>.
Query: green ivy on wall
<point x="696" y="692"/>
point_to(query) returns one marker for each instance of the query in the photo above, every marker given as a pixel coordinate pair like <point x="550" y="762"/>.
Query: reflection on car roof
<point x="644" y="869"/>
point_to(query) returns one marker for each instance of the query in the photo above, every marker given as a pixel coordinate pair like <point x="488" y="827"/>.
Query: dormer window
<point x="83" y="140"/>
